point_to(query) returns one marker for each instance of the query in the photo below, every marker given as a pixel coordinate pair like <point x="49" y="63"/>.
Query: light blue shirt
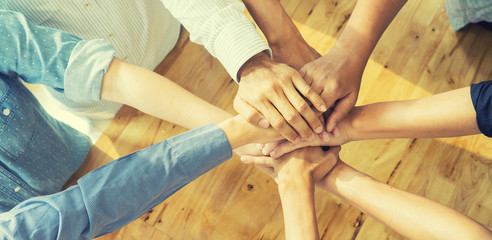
<point x="462" y="12"/>
<point x="38" y="153"/>
<point x="117" y="193"/>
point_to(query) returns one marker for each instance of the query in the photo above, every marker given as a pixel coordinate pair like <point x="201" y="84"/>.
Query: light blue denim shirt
<point x="117" y="193"/>
<point x="38" y="153"/>
<point x="462" y="12"/>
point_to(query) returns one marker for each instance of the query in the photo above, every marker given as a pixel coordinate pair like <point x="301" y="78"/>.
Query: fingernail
<point x="264" y="151"/>
<point x="336" y="132"/>
<point x="318" y="129"/>
<point x="329" y="128"/>
<point x="323" y="108"/>
<point x="243" y="159"/>
<point x="325" y="136"/>
<point x="263" y="123"/>
<point x="297" y="140"/>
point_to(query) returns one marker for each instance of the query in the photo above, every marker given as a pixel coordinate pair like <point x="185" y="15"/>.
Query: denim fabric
<point x="462" y="12"/>
<point x="38" y="153"/>
<point x="117" y="193"/>
<point x="481" y="95"/>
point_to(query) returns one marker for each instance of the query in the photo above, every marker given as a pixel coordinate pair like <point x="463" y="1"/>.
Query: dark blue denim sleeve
<point x="481" y="94"/>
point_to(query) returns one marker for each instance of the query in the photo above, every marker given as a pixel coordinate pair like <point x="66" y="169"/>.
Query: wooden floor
<point x="419" y="55"/>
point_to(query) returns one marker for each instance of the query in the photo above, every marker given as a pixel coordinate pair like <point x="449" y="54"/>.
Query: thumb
<point x="341" y="109"/>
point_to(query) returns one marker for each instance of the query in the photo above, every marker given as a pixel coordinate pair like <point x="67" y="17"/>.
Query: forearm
<point x="443" y="115"/>
<point x="273" y="21"/>
<point x="222" y="28"/>
<point x="366" y="25"/>
<point x="139" y="181"/>
<point x="285" y="40"/>
<point x="297" y="196"/>
<point x="158" y="96"/>
<point x="410" y="215"/>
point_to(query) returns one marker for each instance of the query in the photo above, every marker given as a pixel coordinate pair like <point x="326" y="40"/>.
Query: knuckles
<point x="292" y="117"/>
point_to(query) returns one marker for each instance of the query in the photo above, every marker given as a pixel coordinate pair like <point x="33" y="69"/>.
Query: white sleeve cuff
<point x="237" y="43"/>
<point x="87" y="65"/>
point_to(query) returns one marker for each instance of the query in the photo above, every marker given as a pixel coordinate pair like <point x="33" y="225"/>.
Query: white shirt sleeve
<point x="222" y="27"/>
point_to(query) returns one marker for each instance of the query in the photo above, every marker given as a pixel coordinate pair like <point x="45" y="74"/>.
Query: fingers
<point x="250" y="113"/>
<point x="277" y="121"/>
<point x="258" y="160"/>
<point x="341" y="109"/>
<point x="288" y="109"/>
<point x="269" y="147"/>
<point x="305" y="110"/>
<point x="305" y="89"/>
<point x="288" y="147"/>
<point x="304" y="74"/>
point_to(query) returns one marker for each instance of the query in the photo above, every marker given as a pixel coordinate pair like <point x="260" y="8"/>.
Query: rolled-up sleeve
<point x="54" y="58"/>
<point x="86" y="67"/>
<point x="481" y="95"/>
<point x="222" y="27"/>
<point x="117" y="193"/>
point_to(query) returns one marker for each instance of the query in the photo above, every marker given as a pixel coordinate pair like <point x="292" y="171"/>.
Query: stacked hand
<point x="275" y="94"/>
<point x="310" y="160"/>
<point x="336" y="77"/>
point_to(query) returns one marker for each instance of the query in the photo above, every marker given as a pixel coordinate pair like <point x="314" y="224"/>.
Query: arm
<point x="337" y="75"/>
<point x="339" y="72"/>
<point x="227" y="33"/>
<point x="296" y="174"/>
<point x="87" y="71"/>
<point x="282" y="35"/>
<point x="448" y="114"/>
<point x="283" y="108"/>
<point x="297" y="196"/>
<point x="158" y="96"/>
<point x="140" y="181"/>
<point x="412" y="216"/>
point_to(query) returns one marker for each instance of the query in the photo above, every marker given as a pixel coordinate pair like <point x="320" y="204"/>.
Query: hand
<point x="336" y="76"/>
<point x="252" y="150"/>
<point x="269" y="94"/>
<point x="311" y="160"/>
<point x="295" y="53"/>
<point x="279" y="148"/>
<point x="240" y="132"/>
<point x="339" y="136"/>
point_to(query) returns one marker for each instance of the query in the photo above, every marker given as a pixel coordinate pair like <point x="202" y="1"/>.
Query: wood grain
<point x="419" y="55"/>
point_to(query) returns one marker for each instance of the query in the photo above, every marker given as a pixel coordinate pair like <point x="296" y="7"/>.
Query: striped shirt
<point x="143" y="32"/>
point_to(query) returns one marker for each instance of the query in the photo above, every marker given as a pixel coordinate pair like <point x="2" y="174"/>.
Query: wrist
<point x="344" y="181"/>
<point x="284" y="35"/>
<point x="294" y="181"/>
<point x="240" y="132"/>
<point x="257" y="61"/>
<point x="357" y="50"/>
<point x="352" y="125"/>
<point x="293" y="171"/>
<point x="233" y="128"/>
